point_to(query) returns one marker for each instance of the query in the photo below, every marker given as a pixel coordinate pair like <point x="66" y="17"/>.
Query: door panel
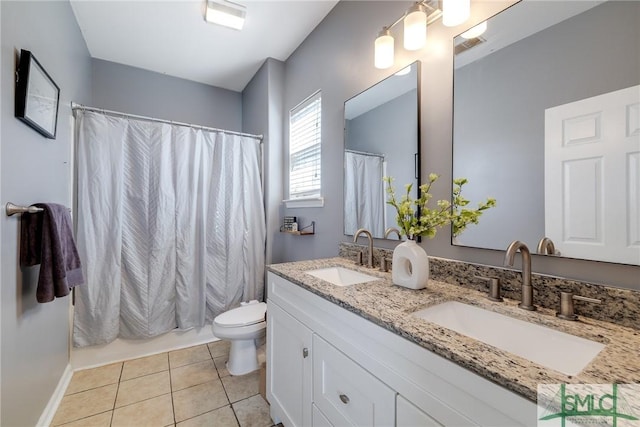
<point x="592" y="194"/>
<point x="290" y="368"/>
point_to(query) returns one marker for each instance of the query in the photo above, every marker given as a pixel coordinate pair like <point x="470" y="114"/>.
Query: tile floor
<point x="182" y="388"/>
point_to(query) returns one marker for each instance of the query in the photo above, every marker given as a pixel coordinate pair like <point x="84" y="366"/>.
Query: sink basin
<point x="341" y="276"/>
<point x="545" y="346"/>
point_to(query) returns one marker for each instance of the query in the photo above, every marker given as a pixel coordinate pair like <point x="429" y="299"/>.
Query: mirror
<point x="547" y="121"/>
<point x="381" y="138"/>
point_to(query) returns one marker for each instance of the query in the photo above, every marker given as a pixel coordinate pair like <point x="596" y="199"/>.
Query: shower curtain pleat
<point x="147" y="306"/>
<point x="254" y="260"/>
<point x="99" y="229"/>
<point x="235" y="255"/>
<point x="191" y="223"/>
<point x="171" y="226"/>
<point x="364" y="193"/>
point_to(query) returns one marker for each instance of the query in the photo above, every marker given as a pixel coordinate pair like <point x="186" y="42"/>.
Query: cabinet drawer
<point x="346" y="393"/>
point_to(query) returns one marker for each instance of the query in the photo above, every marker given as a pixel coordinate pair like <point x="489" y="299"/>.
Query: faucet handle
<point x="494" y="288"/>
<point x="359" y="258"/>
<point x="591" y="300"/>
<point x="566" y="305"/>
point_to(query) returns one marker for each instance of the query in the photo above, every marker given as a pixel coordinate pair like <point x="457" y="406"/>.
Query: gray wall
<point x="1" y="225"/>
<point x="538" y="71"/>
<point x="35" y="344"/>
<point x="337" y="58"/>
<point x="135" y="91"/>
<point x="262" y="114"/>
<point x="390" y="129"/>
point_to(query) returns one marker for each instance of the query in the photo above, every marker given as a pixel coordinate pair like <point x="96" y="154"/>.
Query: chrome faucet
<point x="392" y="230"/>
<point x="546" y="247"/>
<point x="370" y="237"/>
<point x="526" y="302"/>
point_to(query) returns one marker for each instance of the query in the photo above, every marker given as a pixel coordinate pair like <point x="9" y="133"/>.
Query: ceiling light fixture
<point x="415" y="21"/>
<point x="225" y="13"/>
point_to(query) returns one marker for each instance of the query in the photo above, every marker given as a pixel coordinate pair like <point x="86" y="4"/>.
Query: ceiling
<point x="517" y="23"/>
<point x="382" y="92"/>
<point x="172" y="37"/>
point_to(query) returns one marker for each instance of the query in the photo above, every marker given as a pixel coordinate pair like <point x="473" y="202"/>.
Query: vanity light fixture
<point x="415" y="27"/>
<point x="384" y="49"/>
<point x="225" y="13"/>
<point x="404" y="71"/>
<point x="455" y="12"/>
<point x="415" y="21"/>
<point x="475" y="32"/>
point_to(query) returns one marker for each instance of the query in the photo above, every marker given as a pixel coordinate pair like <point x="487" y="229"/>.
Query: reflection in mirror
<point x="547" y="121"/>
<point x="381" y="139"/>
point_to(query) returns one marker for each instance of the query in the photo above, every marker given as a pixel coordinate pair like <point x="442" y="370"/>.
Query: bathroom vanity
<point x="359" y="355"/>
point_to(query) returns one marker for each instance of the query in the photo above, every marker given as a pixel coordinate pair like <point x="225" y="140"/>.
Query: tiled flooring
<point x="183" y="388"/>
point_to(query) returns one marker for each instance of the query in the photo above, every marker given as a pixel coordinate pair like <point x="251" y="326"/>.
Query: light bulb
<point x="383" y="54"/>
<point x="476" y="31"/>
<point x="415" y="28"/>
<point x="455" y="12"/>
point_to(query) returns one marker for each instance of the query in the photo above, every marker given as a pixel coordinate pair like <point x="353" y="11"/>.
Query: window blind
<point x="305" y="123"/>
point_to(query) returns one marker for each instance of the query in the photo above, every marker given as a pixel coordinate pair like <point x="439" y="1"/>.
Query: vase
<point x="410" y="265"/>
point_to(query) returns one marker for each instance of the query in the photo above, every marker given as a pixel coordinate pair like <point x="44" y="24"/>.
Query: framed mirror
<point x="381" y="138"/>
<point x="547" y="121"/>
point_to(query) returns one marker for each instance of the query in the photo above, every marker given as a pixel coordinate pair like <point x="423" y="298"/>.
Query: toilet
<point x="242" y="326"/>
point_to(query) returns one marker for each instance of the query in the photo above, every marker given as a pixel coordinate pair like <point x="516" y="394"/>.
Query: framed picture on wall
<point x="37" y="96"/>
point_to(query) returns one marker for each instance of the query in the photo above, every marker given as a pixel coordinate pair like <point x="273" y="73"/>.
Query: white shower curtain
<point x="364" y="193"/>
<point x="171" y="226"/>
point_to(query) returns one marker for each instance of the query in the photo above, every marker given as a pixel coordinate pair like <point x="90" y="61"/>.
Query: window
<point x="305" y="123"/>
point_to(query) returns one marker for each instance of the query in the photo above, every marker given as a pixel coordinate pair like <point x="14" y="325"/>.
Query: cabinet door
<point x="346" y="393"/>
<point x="407" y="415"/>
<point x="289" y="368"/>
<point x="319" y="420"/>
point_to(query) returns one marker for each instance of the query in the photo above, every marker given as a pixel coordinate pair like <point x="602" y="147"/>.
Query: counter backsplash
<point x="619" y="306"/>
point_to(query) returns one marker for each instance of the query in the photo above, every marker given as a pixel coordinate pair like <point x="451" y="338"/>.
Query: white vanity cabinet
<point x="358" y="373"/>
<point x="289" y="362"/>
<point x="346" y="393"/>
<point x="408" y="415"/>
<point x="319" y="420"/>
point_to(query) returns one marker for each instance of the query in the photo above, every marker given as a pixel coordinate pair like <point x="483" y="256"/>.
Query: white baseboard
<point x="50" y="410"/>
<point x="121" y="349"/>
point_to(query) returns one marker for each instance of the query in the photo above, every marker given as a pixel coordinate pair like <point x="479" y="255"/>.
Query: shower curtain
<point x="171" y="226"/>
<point x="364" y="193"/>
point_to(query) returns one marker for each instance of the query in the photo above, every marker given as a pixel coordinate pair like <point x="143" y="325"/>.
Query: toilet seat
<point x="245" y="315"/>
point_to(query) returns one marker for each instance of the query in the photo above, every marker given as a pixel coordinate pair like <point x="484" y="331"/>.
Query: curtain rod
<point x="76" y="106"/>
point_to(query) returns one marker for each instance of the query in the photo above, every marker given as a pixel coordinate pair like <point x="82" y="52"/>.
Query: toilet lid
<point x="242" y="316"/>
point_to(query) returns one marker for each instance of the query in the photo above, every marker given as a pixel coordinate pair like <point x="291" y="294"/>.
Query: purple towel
<point x="46" y="239"/>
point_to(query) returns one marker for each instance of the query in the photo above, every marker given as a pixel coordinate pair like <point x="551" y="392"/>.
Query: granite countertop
<point x="389" y="306"/>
